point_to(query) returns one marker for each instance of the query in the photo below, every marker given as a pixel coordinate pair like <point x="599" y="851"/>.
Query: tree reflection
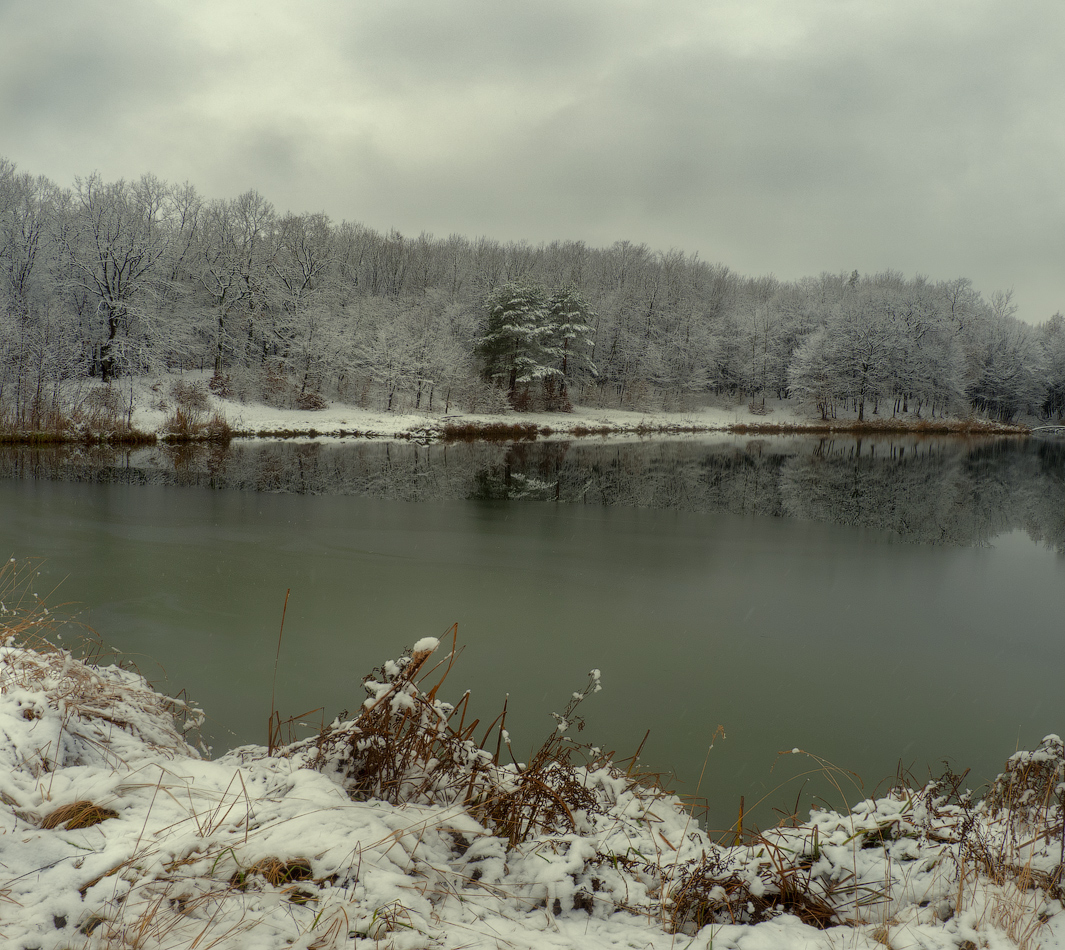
<point x="924" y="490"/>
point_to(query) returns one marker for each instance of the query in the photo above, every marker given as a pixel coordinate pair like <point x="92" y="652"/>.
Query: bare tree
<point x="114" y="242"/>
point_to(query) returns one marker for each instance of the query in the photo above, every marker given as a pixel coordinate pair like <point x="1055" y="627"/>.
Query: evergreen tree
<point x="569" y="344"/>
<point x="516" y="346"/>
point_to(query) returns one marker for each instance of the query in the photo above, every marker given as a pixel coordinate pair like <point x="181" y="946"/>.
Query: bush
<point x="406" y="746"/>
<point x="190" y="396"/>
<point x="221" y="385"/>
<point x="311" y="402"/>
<point x="274" y="386"/>
<point x="101" y="408"/>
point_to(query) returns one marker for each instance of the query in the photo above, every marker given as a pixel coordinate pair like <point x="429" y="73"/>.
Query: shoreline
<point x="181" y="409"/>
<point x="230" y="420"/>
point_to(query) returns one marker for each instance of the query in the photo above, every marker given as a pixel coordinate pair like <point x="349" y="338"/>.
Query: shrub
<point x="311" y="402"/>
<point x="221" y="385"/>
<point x="190" y="396"/>
<point x="100" y="409"/>
<point x="406" y="746"/>
<point x="275" y="389"/>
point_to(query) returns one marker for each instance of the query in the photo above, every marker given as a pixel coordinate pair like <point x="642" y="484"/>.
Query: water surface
<point x="872" y="603"/>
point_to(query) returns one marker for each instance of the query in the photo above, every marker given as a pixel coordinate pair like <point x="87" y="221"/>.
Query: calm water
<point x="872" y="603"/>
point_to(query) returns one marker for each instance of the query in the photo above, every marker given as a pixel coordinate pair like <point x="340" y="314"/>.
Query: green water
<point x="844" y="641"/>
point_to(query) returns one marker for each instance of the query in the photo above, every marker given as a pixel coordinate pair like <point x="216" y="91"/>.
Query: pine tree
<point x="570" y="342"/>
<point x="533" y="337"/>
<point x="516" y="344"/>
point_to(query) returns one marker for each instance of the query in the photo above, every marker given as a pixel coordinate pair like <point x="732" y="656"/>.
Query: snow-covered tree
<point x="231" y="269"/>
<point x="1006" y="363"/>
<point x="35" y="346"/>
<point x="811" y="376"/>
<point x="569" y="342"/>
<point x="114" y="241"/>
<point x="1052" y="334"/>
<point x="516" y="345"/>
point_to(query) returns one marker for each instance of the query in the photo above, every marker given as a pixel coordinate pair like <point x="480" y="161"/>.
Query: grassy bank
<point x="189" y="408"/>
<point x="216" y="428"/>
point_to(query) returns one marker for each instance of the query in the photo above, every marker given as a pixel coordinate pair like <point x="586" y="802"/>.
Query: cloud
<point x="785" y="136"/>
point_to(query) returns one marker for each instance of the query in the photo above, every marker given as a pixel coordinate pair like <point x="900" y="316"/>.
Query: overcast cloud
<point x="774" y="136"/>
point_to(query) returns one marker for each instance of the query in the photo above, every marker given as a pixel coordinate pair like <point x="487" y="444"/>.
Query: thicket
<point x="107" y="280"/>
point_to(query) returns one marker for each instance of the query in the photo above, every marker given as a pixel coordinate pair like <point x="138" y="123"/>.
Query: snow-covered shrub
<point x="405" y="746"/>
<point x="311" y="402"/>
<point x="1032" y="789"/>
<point x="190" y="396"/>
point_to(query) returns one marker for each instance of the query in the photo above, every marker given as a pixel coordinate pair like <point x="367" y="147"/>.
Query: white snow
<point x="267" y="852"/>
<point x="339" y="419"/>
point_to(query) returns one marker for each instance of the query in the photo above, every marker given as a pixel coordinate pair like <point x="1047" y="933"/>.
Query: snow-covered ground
<point x="151" y="406"/>
<point x="248" y="418"/>
<point x="314" y="848"/>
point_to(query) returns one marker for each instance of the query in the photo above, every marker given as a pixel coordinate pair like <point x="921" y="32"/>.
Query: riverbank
<point x="346" y="421"/>
<point x="397" y="829"/>
<point x="152" y="413"/>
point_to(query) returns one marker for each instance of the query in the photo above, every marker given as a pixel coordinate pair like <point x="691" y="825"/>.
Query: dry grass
<point x="189" y="420"/>
<point x="185" y="426"/>
<point x="97" y="418"/>
<point x="492" y="432"/>
<point x="94" y="702"/>
<point x="407" y="746"/>
<point x="275" y="871"/>
<point x="1002" y="856"/>
<point x="715" y="892"/>
<point x="583" y="431"/>
<point x="80" y="814"/>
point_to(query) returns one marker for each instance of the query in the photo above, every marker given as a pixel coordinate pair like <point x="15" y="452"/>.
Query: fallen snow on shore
<point x="117" y="833"/>
<point x="249" y="418"/>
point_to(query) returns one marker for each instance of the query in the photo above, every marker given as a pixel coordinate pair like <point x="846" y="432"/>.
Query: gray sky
<point x="774" y="136"/>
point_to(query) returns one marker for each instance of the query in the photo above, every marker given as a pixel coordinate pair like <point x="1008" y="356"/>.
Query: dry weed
<point x="405" y="745"/>
<point x="81" y="814"/>
<point x="490" y="432"/>
<point x="275" y="871"/>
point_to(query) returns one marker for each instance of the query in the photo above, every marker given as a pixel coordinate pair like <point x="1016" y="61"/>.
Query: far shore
<point x="152" y="421"/>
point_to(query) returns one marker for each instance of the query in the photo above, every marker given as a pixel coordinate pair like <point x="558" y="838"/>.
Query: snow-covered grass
<point x="180" y="407"/>
<point x="154" y="412"/>
<point x="153" y="406"/>
<point x="407" y="827"/>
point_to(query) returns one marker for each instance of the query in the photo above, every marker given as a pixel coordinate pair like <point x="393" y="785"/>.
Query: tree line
<point x="105" y="281"/>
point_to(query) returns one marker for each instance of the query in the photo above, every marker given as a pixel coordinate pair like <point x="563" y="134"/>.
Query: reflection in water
<point x="789" y="631"/>
<point x="952" y="491"/>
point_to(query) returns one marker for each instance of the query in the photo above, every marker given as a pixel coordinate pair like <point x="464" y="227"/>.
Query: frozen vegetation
<point x="408" y="826"/>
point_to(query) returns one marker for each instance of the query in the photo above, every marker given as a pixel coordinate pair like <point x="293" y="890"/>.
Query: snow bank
<point x="340" y="419"/>
<point x="163" y="848"/>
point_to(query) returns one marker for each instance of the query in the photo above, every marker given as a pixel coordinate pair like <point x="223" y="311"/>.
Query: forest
<point x="106" y="281"/>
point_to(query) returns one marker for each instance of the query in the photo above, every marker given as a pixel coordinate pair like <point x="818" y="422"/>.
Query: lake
<point x="872" y="602"/>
